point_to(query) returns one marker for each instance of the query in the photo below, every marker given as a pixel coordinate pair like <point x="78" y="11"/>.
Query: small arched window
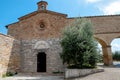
<point x="43" y="7"/>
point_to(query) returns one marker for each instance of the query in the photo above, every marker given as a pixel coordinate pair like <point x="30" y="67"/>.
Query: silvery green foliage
<point x="78" y="44"/>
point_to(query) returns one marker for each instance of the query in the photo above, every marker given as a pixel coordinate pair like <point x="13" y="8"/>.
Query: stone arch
<point x="115" y="37"/>
<point x="41" y="45"/>
<point x="106" y="50"/>
<point x="115" y="43"/>
<point x="102" y="42"/>
<point x="40" y="54"/>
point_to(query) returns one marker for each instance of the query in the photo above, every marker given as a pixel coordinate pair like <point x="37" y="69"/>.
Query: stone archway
<point x="107" y="53"/>
<point x="115" y="43"/>
<point x="41" y="55"/>
<point x="41" y="45"/>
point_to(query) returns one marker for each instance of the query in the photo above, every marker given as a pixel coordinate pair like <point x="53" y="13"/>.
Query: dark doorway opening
<point x="41" y="62"/>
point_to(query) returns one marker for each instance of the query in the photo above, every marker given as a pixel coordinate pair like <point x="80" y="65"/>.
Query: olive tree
<point x="79" y="48"/>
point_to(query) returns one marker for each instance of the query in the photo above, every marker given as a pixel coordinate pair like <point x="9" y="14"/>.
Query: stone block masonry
<point x="9" y="54"/>
<point x="39" y="32"/>
<point x="52" y="49"/>
<point x="21" y="56"/>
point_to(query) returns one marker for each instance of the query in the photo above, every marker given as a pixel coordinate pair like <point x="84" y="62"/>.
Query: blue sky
<point x="10" y="10"/>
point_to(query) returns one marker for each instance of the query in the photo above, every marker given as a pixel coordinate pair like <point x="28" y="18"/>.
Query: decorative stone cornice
<point x="95" y="16"/>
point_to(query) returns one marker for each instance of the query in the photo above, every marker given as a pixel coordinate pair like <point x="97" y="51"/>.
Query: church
<point x="32" y="44"/>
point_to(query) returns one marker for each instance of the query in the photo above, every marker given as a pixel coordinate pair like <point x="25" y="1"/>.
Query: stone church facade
<point x="32" y="44"/>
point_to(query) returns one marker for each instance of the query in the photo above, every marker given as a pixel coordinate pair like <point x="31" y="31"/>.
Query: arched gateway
<point x="45" y="26"/>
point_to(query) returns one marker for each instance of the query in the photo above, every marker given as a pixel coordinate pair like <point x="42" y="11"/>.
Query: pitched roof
<point x="36" y="12"/>
<point x="10" y="24"/>
<point x="41" y="11"/>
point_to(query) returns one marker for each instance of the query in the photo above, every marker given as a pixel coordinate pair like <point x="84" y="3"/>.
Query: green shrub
<point x="99" y="58"/>
<point x="8" y="74"/>
<point x="4" y="75"/>
<point x="116" y="56"/>
<point x="78" y="45"/>
<point x="58" y="72"/>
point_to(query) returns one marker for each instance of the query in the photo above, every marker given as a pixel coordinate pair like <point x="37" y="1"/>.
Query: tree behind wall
<point x="78" y="44"/>
<point x="116" y="56"/>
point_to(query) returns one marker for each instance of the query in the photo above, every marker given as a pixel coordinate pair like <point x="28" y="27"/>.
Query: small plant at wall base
<point x="58" y="72"/>
<point x="8" y="74"/>
<point x="78" y="45"/>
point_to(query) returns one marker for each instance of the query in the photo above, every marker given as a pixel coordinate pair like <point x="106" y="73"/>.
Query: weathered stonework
<point x="75" y="73"/>
<point x="29" y="55"/>
<point x="40" y="31"/>
<point x="9" y="54"/>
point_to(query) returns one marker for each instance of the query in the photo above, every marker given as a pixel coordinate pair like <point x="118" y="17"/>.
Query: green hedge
<point x="116" y="55"/>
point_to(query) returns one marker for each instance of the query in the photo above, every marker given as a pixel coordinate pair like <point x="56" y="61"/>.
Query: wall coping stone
<point x="75" y="73"/>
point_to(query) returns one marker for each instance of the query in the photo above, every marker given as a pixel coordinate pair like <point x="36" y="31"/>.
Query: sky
<point x="11" y="10"/>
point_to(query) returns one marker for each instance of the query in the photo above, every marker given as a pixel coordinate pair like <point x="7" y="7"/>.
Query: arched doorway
<point x="41" y="62"/>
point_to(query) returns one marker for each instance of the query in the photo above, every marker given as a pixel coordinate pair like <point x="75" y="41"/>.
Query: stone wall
<point x="21" y="56"/>
<point x="29" y="28"/>
<point x="29" y="53"/>
<point x="75" y="73"/>
<point x="103" y="24"/>
<point x="9" y="54"/>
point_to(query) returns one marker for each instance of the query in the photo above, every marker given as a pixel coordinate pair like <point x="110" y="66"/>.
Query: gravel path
<point x="110" y="73"/>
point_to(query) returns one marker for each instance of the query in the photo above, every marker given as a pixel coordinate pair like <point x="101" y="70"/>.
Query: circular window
<point x="42" y="25"/>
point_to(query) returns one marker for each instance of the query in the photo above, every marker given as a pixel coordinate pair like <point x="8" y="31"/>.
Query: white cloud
<point x="115" y="47"/>
<point x="92" y="1"/>
<point x="111" y="8"/>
